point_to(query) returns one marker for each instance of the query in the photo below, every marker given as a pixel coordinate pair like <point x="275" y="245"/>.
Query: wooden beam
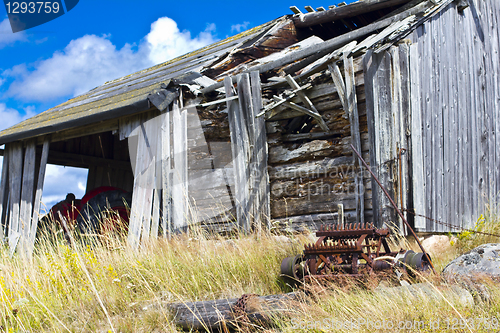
<point x="339" y="85"/>
<point x="239" y="149"/>
<point x="166" y="165"/>
<point x="309" y="136"/>
<point x="322" y="49"/>
<point x="84" y="161"/>
<point x="216" y="314"/>
<point x="180" y="168"/>
<point x="346" y="11"/>
<point x="15" y="177"/>
<point x="307" y="102"/>
<point x="244" y="130"/>
<point x="352" y="105"/>
<point x="38" y="194"/>
<point x="4" y="181"/>
<point x="260" y="176"/>
<point x="27" y="191"/>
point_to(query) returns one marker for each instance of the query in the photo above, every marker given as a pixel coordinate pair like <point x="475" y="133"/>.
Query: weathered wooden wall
<point x="312" y="173"/>
<point x="457" y="63"/>
<point x="388" y="113"/>
<point x="437" y="95"/>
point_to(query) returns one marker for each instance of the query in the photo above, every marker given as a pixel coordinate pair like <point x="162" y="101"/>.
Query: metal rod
<point x="395" y="207"/>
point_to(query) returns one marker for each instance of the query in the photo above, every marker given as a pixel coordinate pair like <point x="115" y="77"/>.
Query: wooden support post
<point x="27" y="190"/>
<point x="377" y="70"/>
<point x="307" y="102"/>
<point x="352" y="105"/>
<point x="417" y="154"/>
<point x="38" y="195"/>
<point x="4" y="182"/>
<point x="15" y="178"/>
<point x="339" y="85"/>
<point x="260" y="174"/>
<point x="166" y="166"/>
<point x="240" y="151"/>
<point x="180" y="169"/>
<point x="140" y="215"/>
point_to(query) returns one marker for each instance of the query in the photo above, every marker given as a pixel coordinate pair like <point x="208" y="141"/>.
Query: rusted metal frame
<point x="396" y="208"/>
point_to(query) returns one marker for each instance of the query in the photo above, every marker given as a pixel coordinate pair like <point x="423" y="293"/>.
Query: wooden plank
<point x="147" y="201"/>
<point x="405" y="124"/>
<point x="27" y="192"/>
<point x="352" y="107"/>
<point x="307" y="102"/>
<point x="166" y="165"/>
<point x="144" y="182"/>
<point x="239" y="153"/>
<point x="4" y="194"/>
<point x="339" y="85"/>
<point x="341" y="12"/>
<point x="15" y="178"/>
<point x="417" y="158"/>
<point x="261" y="175"/>
<point x="245" y="130"/>
<point x="180" y="169"/>
<point x="380" y="129"/>
<point x="38" y="194"/>
<point x="399" y="137"/>
<point x="322" y="49"/>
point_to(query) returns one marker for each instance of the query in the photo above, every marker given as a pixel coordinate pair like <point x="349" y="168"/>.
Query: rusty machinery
<point x="353" y="250"/>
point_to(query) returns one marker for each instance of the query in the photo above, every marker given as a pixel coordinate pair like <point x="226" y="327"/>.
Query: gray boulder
<point x="474" y="267"/>
<point x="483" y="261"/>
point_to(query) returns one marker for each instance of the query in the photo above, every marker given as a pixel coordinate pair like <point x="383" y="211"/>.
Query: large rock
<point x="474" y="267"/>
<point x="436" y="245"/>
<point x="483" y="261"/>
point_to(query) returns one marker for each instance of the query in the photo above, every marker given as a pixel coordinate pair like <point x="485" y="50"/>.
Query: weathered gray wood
<point x="239" y="152"/>
<point x="15" y="178"/>
<point x="399" y="130"/>
<point x="208" y="315"/>
<point x="245" y="150"/>
<point x="352" y="107"/>
<point x="166" y="165"/>
<point x="4" y="194"/>
<point x="326" y="47"/>
<point x="417" y="158"/>
<point x="147" y="202"/>
<point x="38" y="194"/>
<point x="27" y="192"/>
<point x="339" y="85"/>
<point x="309" y="136"/>
<point x="341" y="12"/>
<point x="307" y="102"/>
<point x="145" y="134"/>
<point x="180" y="169"/>
<point x="380" y="129"/>
<point x="260" y="174"/>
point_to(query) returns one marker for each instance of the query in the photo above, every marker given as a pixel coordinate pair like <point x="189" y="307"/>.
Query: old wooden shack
<point x="256" y="129"/>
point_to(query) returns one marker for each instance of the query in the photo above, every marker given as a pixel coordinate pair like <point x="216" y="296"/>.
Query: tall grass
<point x="52" y="293"/>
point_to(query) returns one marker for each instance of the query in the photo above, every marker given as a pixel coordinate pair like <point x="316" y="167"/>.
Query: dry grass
<point x="52" y="293"/>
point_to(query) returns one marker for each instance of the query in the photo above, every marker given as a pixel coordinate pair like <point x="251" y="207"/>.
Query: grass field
<point x="107" y="287"/>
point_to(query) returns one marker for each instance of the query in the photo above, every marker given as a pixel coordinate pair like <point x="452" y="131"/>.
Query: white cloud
<point x="91" y="60"/>
<point x="7" y="36"/>
<point x="166" y="41"/>
<point x="59" y="181"/>
<point x="11" y="116"/>
<point x="239" y="27"/>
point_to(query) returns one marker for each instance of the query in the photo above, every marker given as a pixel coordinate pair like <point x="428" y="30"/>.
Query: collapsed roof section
<point x="298" y="45"/>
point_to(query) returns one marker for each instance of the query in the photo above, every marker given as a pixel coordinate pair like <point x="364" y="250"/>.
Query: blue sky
<point x="102" y="40"/>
